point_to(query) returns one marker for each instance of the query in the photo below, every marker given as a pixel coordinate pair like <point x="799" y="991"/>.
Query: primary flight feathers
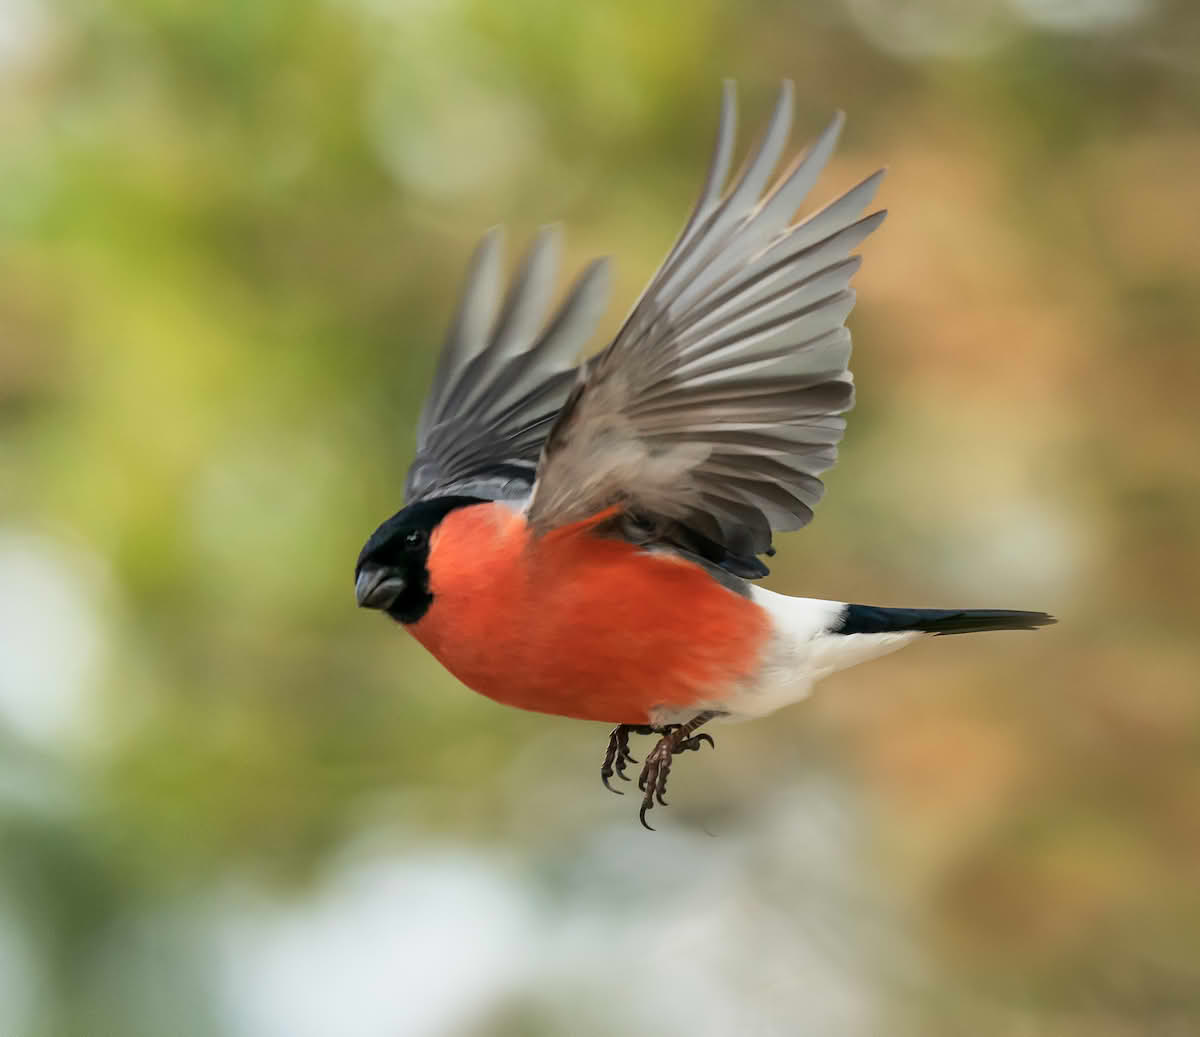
<point x="715" y="409"/>
<point x="503" y="374"/>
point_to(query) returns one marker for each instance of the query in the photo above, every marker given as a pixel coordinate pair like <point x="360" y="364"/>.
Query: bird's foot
<point x="618" y="754"/>
<point x="678" y="738"/>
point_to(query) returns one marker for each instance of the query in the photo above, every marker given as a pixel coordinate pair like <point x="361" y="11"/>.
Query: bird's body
<point x="581" y="540"/>
<point x="594" y="627"/>
<point x="582" y="625"/>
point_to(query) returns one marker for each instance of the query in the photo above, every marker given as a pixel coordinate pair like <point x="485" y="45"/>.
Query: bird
<point x="583" y="538"/>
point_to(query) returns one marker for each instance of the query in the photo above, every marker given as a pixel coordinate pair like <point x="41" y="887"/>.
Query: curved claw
<point x="702" y="737"/>
<point x="616" y="757"/>
<point x="642" y="816"/>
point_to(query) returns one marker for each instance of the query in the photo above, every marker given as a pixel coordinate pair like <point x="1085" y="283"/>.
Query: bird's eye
<point x="414" y="538"/>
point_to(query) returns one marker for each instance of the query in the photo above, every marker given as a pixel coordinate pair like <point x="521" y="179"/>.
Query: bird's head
<point x="392" y="572"/>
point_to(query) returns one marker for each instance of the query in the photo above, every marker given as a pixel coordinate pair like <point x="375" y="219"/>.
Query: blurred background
<point x="231" y="234"/>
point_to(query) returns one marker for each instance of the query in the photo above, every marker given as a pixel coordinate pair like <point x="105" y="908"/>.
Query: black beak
<point x="377" y="588"/>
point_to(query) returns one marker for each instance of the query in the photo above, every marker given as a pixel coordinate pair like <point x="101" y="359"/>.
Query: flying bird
<point x="581" y="538"/>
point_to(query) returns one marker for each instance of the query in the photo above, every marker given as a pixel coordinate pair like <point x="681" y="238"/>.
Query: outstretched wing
<point x="716" y="408"/>
<point x="503" y="374"/>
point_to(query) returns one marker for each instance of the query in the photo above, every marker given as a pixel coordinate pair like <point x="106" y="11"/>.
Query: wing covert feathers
<point x="503" y="374"/>
<point x="718" y="405"/>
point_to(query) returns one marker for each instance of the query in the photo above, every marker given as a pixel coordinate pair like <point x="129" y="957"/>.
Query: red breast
<point x="581" y="625"/>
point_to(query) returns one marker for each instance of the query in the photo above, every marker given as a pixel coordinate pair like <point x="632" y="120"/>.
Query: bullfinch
<point x="582" y="538"/>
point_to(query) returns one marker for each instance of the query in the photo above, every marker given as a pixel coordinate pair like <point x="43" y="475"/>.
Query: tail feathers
<point x="872" y="619"/>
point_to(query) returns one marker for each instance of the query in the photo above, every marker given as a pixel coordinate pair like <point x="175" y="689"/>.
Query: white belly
<point x="801" y="651"/>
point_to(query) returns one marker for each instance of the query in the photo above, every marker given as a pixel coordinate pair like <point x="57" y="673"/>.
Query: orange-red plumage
<point x="578" y="624"/>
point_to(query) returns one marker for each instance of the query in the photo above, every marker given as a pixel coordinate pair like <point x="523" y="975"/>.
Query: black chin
<point x="411" y="605"/>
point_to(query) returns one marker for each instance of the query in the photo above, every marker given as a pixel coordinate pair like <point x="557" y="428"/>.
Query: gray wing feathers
<point x="717" y="406"/>
<point x="469" y="329"/>
<point x="718" y="173"/>
<point x="502" y="377"/>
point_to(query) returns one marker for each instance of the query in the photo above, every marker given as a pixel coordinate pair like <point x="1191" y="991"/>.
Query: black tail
<point x="871" y="619"/>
